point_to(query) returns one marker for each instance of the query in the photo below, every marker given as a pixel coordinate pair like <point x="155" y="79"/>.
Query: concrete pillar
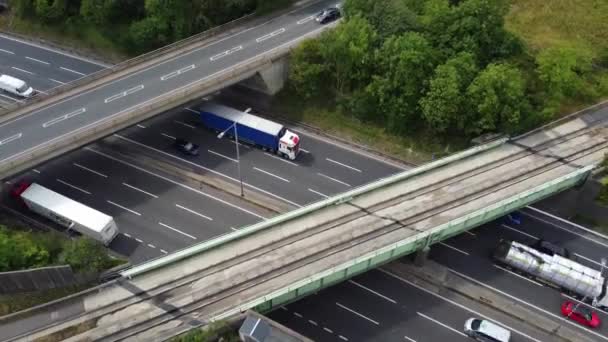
<point x="421" y="256"/>
<point x="271" y="79"/>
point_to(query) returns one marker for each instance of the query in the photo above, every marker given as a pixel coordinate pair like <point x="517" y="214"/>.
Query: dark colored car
<point x="580" y="314"/>
<point x="186" y="147"/>
<point x="328" y="15"/>
<point x="551" y="248"/>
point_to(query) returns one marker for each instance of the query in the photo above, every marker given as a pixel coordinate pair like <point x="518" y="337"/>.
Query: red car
<point x="581" y="314"/>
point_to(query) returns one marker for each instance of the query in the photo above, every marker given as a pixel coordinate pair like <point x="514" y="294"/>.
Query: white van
<point x="15" y="86"/>
<point x="486" y="331"/>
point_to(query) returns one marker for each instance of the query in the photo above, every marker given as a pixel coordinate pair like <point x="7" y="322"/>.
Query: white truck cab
<point x="289" y="145"/>
<point x="15" y="86"/>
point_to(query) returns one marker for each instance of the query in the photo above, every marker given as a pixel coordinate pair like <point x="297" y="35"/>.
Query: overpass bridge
<point x="289" y="256"/>
<point x="95" y="106"/>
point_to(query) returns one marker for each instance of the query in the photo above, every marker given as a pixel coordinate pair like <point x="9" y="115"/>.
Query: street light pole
<point x="238" y="158"/>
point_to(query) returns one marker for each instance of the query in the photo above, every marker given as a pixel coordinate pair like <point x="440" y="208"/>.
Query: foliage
<point x="85" y="255"/>
<point x="213" y="332"/>
<point x="388" y="17"/>
<point x="562" y="70"/>
<point x="18" y="251"/>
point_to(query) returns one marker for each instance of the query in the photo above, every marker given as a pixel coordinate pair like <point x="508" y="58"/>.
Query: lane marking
<point x="194" y="212"/>
<point x="138" y="240"/>
<point x="456" y="304"/>
<point x="585" y="304"/>
<point x="281" y="159"/>
<point x="6" y="51"/>
<point x="59" y="82"/>
<point x="127" y="235"/>
<point x="25" y="71"/>
<point x="40" y="91"/>
<point x="568" y="230"/>
<point x="140" y="190"/>
<point x="72" y="186"/>
<point x="177" y="230"/>
<point x="124" y="208"/>
<point x="168" y="136"/>
<point x="454" y="248"/>
<point x="151" y="245"/>
<point x="470" y="233"/>
<point x="588" y="259"/>
<point x="591" y="231"/>
<point x="519" y="231"/>
<point x="163" y="251"/>
<point x="90" y="170"/>
<point x="234" y="229"/>
<point x="64" y="117"/>
<point x="372" y="291"/>
<point x="141" y="126"/>
<point x="409" y="339"/>
<point x="270" y="35"/>
<point x="73" y="71"/>
<point x="124" y="93"/>
<point x="283" y="308"/>
<point x="177" y="72"/>
<point x="223" y="156"/>
<point x="518" y="275"/>
<point x="297" y="314"/>
<point x="356" y="313"/>
<point x="11" y="138"/>
<point x="169" y="180"/>
<point x="226" y="53"/>
<point x="442" y="324"/>
<point x="37" y="60"/>
<point x="333" y="179"/>
<point x="305" y="151"/>
<point x="273" y="175"/>
<point x="328" y="330"/>
<point x="312" y="322"/>
<point x="343" y="165"/>
<point x="342" y="338"/>
<point x="318" y="193"/>
<point x="36" y="171"/>
<point x="305" y="20"/>
<point x="184" y="124"/>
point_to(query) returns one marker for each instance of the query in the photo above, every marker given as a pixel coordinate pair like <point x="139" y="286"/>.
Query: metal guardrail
<point x="344" y="197"/>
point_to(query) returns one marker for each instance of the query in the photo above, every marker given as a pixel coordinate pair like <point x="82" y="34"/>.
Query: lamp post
<point x="236" y="141"/>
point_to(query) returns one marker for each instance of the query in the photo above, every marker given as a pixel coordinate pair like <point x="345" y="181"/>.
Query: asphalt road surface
<point x="91" y="107"/>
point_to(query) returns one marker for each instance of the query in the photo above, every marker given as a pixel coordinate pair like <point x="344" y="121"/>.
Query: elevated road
<point x="67" y="120"/>
<point x="274" y="262"/>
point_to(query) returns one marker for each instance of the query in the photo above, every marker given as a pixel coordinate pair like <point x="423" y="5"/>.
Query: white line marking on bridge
<point x="342" y="164"/>
<point x="517" y="275"/>
<point x="25" y="71"/>
<point x="177" y="230"/>
<point x="226" y="53"/>
<point x="519" y="231"/>
<point x="124" y="93"/>
<point x="90" y="170"/>
<point x="356" y="313"/>
<point x="64" y="117"/>
<point x="270" y="35"/>
<point x="409" y="339"/>
<point x="318" y="193"/>
<point x="11" y="138"/>
<point x="305" y="20"/>
<point x="453" y="248"/>
<point x="333" y="179"/>
<point x="151" y="245"/>
<point x="140" y="190"/>
<point x="281" y="159"/>
<point x="270" y="174"/>
<point x="374" y="292"/>
<point x="139" y="240"/>
<point x="38" y="172"/>
<point x="72" y="186"/>
<point x="177" y="72"/>
<point x="124" y="208"/>
<point x="441" y="324"/>
<point x="184" y="124"/>
<point x="163" y="251"/>
<point x="194" y="212"/>
<point x="328" y="330"/>
<point x="168" y="136"/>
<point x="54" y="80"/>
<point x="127" y="235"/>
<point x="223" y="156"/>
<point x="37" y="60"/>
<point x="297" y="314"/>
<point x="6" y="51"/>
<point x="74" y="71"/>
<point x="313" y="322"/>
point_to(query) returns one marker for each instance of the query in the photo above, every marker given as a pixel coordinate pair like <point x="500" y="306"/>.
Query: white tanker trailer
<point x="565" y="273"/>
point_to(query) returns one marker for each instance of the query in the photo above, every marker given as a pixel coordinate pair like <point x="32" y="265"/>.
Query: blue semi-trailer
<point x="251" y="129"/>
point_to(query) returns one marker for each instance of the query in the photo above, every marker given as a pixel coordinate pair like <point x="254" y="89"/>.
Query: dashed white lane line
<point x="333" y="179"/>
<point x="73" y="186"/>
<point x="356" y="313"/>
<point x="141" y="126"/>
<point x="374" y="292"/>
<point x="168" y="136"/>
<point x="184" y="124"/>
<point x="124" y="208"/>
<point x="518" y="231"/>
<point x="441" y="324"/>
<point x="11" y="138"/>
<point x="518" y="275"/>
<point x="6" y="51"/>
<point x="297" y="314"/>
<point x="318" y="193"/>
<point x="194" y="212"/>
<point x="305" y="20"/>
<point x="270" y="35"/>
<point x="58" y="82"/>
<point x="271" y="174"/>
<point x="454" y="248"/>
<point x="37" y="171"/>
<point x="37" y="60"/>
<point x="328" y="330"/>
<point x="342" y="338"/>
<point x="313" y="322"/>
<point x="90" y="170"/>
<point x="139" y="240"/>
<point x="281" y="159"/>
<point x="151" y="245"/>
<point x="409" y="339"/>
<point x="305" y="151"/>
<point x="177" y="230"/>
<point x="22" y="70"/>
<point x="222" y="156"/>
<point x="72" y="71"/>
<point x="343" y="165"/>
<point x="163" y="251"/>
<point x="140" y="190"/>
<point x="127" y="235"/>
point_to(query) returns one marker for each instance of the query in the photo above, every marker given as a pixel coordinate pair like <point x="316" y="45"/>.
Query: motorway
<point x="89" y="108"/>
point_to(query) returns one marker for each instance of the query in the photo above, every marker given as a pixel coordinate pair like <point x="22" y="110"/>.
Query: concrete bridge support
<point x="271" y="79"/>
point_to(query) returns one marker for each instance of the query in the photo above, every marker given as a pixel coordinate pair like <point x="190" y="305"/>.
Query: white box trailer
<point x="69" y="213"/>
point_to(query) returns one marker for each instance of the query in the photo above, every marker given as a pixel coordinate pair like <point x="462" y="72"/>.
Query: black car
<point x="328" y="15"/>
<point x="186" y="147"/>
<point x="551" y="248"/>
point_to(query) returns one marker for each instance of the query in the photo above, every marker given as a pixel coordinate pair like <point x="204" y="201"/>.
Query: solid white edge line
<point x="194" y="212"/>
<point x="13" y="99"/>
<point x="358" y="314"/>
<point x="333" y="179"/>
<point x="518" y="275"/>
<point x="59" y="82"/>
<point x="138" y="189"/>
<point x="519" y="231"/>
<point x="271" y="174"/>
<point x="372" y="291"/>
<point x="441" y="324"/>
<point x="90" y="170"/>
<point x="177" y="230"/>
<point x="184" y="124"/>
<point x="567" y="230"/>
<point x="37" y="60"/>
<point x="124" y="208"/>
<point x="588" y="259"/>
<point x="409" y="339"/>
<point x="72" y="186"/>
<point x="342" y="164"/>
<point x="453" y="248"/>
<point x="222" y="156"/>
<point x="318" y="193"/>
<point x="591" y="231"/>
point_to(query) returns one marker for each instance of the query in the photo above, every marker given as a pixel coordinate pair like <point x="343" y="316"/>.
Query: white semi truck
<point x="567" y="274"/>
<point x="67" y="212"/>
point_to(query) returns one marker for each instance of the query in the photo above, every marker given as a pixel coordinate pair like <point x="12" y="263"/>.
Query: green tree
<point x="388" y="17"/>
<point x="308" y="70"/>
<point x="97" y="11"/>
<point x="22" y="8"/>
<point x="562" y="70"/>
<point x="51" y="10"/>
<point x="85" y="255"/>
<point x="18" y="251"/>
<point x="443" y="105"/>
<point x="147" y="34"/>
<point x="496" y="99"/>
